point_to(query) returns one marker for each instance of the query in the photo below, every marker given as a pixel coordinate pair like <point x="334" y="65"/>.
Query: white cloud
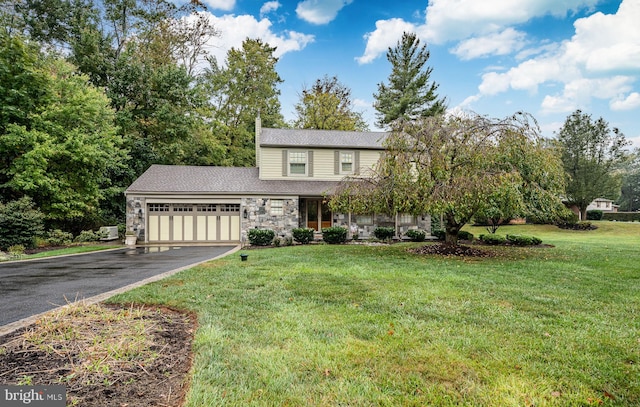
<point x="601" y="61"/>
<point x="462" y="20"/>
<point x="268" y="7"/>
<point x="320" y="11"/>
<point x="632" y="101"/>
<point x="386" y="34"/>
<point x="459" y="19"/>
<point x="235" y="29"/>
<point x="226" y="5"/>
<point x="502" y="43"/>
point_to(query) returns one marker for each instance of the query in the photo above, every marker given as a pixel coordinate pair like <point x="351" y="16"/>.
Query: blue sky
<point x="495" y="57"/>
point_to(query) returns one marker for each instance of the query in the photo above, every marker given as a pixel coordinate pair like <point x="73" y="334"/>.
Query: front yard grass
<point x="377" y="326"/>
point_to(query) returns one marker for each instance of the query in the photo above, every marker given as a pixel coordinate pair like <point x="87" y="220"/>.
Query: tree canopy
<point x="409" y="94"/>
<point x="458" y="166"/>
<point x="590" y="153"/>
<point x="247" y="86"/>
<point x="60" y="145"/>
<point x="327" y="105"/>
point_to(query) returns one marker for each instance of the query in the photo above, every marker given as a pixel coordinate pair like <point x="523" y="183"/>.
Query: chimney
<point x="257" y="140"/>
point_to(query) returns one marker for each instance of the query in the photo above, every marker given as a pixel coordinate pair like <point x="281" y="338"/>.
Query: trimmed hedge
<point x="261" y="237"/>
<point x="622" y="216"/>
<point x="303" y="235"/>
<point x="439" y="234"/>
<point x="334" y="235"/>
<point x="493" y="239"/>
<point x="416" y="235"/>
<point x="384" y="233"/>
<point x="595" y="214"/>
<point x="522" y="240"/>
<point x="577" y="226"/>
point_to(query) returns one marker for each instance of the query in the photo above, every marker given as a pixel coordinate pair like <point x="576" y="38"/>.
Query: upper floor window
<point x="346" y="162"/>
<point x="297" y="162"/>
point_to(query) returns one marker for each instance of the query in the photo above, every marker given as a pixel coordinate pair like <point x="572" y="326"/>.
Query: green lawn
<point x="377" y="326"/>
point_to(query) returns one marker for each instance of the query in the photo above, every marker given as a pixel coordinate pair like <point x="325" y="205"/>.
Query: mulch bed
<point x="160" y="381"/>
<point x="451" y="250"/>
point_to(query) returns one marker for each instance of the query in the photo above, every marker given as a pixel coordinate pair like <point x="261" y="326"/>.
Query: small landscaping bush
<point x="493" y="239"/>
<point x="58" y="238"/>
<point x="416" y="235"/>
<point x="334" y="235"/>
<point x="522" y="240"/>
<point x="89" y="236"/>
<point x="464" y="235"/>
<point x="261" y="237"/>
<point x="384" y="233"/>
<point x="16" y="250"/>
<point x="303" y="235"/>
<point x="595" y="214"/>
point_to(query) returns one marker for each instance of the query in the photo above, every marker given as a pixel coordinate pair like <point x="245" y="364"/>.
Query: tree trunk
<point x="583" y="213"/>
<point x="451" y="230"/>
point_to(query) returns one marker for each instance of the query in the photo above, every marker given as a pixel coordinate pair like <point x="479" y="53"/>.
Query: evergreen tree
<point x="409" y="94"/>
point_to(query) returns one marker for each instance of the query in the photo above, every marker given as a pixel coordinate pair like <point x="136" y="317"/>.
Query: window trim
<point x="352" y="162"/>
<point x="306" y="163"/>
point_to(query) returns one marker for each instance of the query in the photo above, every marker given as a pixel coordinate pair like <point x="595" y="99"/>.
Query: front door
<point x="318" y="214"/>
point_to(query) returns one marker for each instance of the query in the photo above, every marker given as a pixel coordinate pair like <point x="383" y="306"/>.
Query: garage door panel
<point x="197" y="222"/>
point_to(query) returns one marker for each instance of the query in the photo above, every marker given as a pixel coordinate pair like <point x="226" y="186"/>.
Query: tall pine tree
<point x="409" y="93"/>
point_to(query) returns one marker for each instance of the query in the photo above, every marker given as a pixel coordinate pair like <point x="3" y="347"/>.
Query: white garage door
<point x="170" y="223"/>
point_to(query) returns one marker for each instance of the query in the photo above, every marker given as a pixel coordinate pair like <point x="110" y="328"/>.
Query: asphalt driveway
<point x="31" y="287"/>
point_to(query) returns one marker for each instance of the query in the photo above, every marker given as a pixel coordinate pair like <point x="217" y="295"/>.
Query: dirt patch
<point x="106" y="355"/>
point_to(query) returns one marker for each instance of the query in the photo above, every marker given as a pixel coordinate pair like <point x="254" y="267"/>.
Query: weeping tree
<point x="457" y="167"/>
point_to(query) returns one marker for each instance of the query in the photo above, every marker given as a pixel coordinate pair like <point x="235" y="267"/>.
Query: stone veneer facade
<point x="258" y="215"/>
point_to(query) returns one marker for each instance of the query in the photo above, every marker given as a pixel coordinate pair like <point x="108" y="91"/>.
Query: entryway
<point x="318" y="214"/>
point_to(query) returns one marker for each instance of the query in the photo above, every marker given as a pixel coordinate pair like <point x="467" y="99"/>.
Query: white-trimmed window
<point x="406" y="219"/>
<point x="346" y="162"/>
<point x="277" y="207"/>
<point x="297" y="163"/>
<point x="364" y="219"/>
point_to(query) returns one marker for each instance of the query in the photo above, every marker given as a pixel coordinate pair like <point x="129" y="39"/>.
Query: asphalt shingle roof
<point x="221" y="180"/>
<point x="322" y="138"/>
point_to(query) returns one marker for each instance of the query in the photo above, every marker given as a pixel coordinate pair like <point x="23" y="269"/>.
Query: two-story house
<point x="295" y="171"/>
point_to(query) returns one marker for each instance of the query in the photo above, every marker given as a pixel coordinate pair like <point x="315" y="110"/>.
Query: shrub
<point x="20" y="223"/>
<point x="438" y="233"/>
<point x="493" y="239"/>
<point x="16" y="250"/>
<point x="522" y="240"/>
<point x="58" y="238"/>
<point x="303" y="235"/>
<point x="416" y="235"/>
<point x="384" y="233"/>
<point x="334" y="235"/>
<point x="89" y="236"/>
<point x="261" y="237"/>
<point x="464" y="235"/>
<point x="595" y="214"/>
<point x="622" y="216"/>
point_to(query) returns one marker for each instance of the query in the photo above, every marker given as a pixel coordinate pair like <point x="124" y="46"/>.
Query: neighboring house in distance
<point x="601" y="204"/>
<point x="296" y="169"/>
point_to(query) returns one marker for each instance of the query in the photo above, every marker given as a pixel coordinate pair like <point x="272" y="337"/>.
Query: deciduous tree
<point x="327" y="105"/>
<point x="458" y="166"/>
<point x="591" y="150"/>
